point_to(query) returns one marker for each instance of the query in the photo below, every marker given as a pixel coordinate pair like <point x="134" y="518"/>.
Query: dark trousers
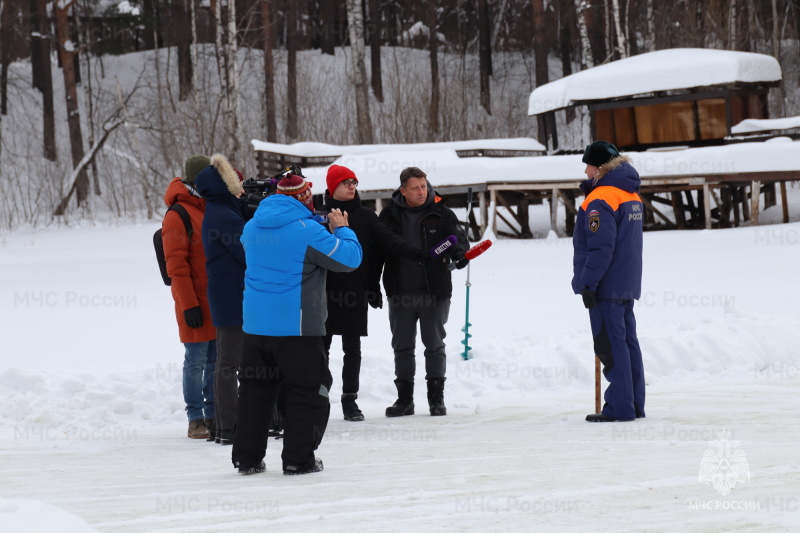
<point x="404" y="313"/>
<point x="230" y="343"/>
<point x="300" y="363"/>
<point x="351" y="366"/>
<point x="616" y="344"/>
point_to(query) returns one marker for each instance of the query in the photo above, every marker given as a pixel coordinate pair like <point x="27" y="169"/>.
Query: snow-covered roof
<point x="663" y="70"/>
<point x="381" y="170"/>
<point x="310" y="149"/>
<point x="755" y="125"/>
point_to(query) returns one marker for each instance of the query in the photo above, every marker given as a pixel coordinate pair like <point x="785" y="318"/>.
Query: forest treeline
<point x="217" y="74"/>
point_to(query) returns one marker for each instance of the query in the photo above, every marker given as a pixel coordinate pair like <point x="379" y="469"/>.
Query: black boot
<point x="436" y="396"/>
<point x="350" y="409"/>
<point x="405" y="399"/>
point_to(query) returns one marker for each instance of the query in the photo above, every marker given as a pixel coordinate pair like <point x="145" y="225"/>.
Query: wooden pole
<point x="784" y="203"/>
<point x="597" y="384"/>
<point x="755" y="196"/>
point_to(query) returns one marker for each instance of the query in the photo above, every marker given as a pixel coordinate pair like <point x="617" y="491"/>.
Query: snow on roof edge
<point x="670" y="69"/>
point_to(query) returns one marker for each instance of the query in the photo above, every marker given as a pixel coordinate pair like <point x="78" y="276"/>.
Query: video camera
<point x="256" y="190"/>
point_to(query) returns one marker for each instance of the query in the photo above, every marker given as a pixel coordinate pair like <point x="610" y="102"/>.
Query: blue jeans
<point x="198" y="379"/>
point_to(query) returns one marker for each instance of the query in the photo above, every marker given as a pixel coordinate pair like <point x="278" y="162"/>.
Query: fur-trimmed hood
<point x="616" y="173"/>
<point x="219" y="180"/>
<point x="615" y="162"/>
<point x="223" y="166"/>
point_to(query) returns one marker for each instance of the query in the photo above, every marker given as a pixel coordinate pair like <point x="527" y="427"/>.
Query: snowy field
<point x="93" y="431"/>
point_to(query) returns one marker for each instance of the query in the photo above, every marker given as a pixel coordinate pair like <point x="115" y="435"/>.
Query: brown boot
<point x="198" y="430"/>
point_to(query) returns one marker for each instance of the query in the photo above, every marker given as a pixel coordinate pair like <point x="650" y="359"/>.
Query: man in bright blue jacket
<point x="607" y="269"/>
<point x="288" y="255"/>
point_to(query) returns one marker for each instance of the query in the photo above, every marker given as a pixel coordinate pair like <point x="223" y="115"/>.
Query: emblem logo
<point x="594" y="223"/>
<point x="722" y="466"/>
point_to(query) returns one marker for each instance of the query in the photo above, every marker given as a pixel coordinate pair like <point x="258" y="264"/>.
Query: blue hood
<point x="210" y="185"/>
<point x="622" y="176"/>
<point x="278" y="210"/>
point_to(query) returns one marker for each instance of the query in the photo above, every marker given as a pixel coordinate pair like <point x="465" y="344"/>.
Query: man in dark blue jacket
<point x="221" y="187"/>
<point x="607" y="269"/>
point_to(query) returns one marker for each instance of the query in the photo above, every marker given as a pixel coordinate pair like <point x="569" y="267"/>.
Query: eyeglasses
<point x="348" y="183"/>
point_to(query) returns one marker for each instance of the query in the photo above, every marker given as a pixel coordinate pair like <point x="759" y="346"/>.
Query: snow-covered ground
<point x="93" y="427"/>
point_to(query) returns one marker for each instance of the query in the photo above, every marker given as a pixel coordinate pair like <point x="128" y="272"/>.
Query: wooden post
<point x="493" y="201"/>
<point x="707" y="205"/>
<point x="484" y="209"/>
<point x="597" y="387"/>
<point x="678" y="209"/>
<point x="378" y="205"/>
<point x="554" y="210"/>
<point x="755" y="196"/>
<point x="784" y="203"/>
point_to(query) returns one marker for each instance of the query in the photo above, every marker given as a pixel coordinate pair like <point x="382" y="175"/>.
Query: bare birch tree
<point x="234" y="122"/>
<point x="292" y="128"/>
<point x="651" y="27"/>
<point x="622" y="41"/>
<point x="270" y="123"/>
<point x="581" y="6"/>
<point x="355" y="22"/>
<point x="732" y="23"/>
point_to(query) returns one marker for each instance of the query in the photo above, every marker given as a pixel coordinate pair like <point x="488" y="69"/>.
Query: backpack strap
<point x="187" y="221"/>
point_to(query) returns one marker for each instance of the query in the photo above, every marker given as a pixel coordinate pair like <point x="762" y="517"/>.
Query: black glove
<point x="589" y="298"/>
<point x="375" y="299"/>
<point x="423" y="259"/>
<point x="459" y="260"/>
<point x="193" y="317"/>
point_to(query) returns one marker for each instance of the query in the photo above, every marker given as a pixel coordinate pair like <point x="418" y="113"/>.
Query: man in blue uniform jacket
<point x="607" y="273"/>
<point x="288" y="255"/>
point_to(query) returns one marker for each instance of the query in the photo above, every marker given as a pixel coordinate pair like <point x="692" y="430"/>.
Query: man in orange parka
<point x="187" y="269"/>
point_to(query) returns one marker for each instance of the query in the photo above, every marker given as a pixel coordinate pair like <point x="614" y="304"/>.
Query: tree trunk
<point x="67" y="53"/>
<point x="355" y="21"/>
<point x="42" y="74"/>
<point x="622" y="41"/>
<point x="433" y="112"/>
<point x="586" y="45"/>
<point x="732" y="24"/>
<point x="87" y="87"/>
<point x="2" y="51"/>
<point x="270" y="125"/>
<point x="565" y="16"/>
<point x="235" y="133"/>
<point x="327" y="13"/>
<point x="150" y="22"/>
<point x="776" y="52"/>
<point x="651" y="28"/>
<point x="485" y="53"/>
<point x="292" y="129"/>
<point x="182" y="26"/>
<point x="5" y="53"/>
<point x="374" y="29"/>
<point x="546" y="122"/>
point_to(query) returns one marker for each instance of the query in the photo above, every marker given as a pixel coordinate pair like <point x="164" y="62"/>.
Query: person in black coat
<point x="221" y="186"/>
<point x="350" y="293"/>
<point x="420" y="295"/>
